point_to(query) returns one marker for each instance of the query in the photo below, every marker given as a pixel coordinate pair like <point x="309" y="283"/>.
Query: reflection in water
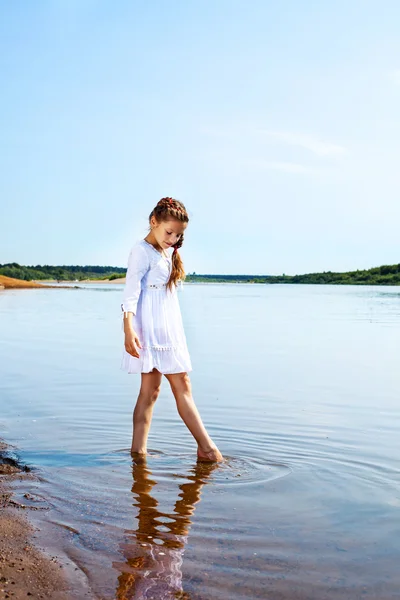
<point x="154" y="551"/>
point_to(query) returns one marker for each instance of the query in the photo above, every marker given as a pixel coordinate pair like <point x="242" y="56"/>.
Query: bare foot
<point x="213" y="455"/>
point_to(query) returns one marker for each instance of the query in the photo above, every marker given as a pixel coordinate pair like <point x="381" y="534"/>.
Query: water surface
<point x="298" y="385"/>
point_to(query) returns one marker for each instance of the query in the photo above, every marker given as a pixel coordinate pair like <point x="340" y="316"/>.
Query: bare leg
<point x="148" y="394"/>
<point x="182" y="390"/>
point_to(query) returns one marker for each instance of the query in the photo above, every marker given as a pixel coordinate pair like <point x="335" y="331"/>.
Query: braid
<point x="169" y="208"/>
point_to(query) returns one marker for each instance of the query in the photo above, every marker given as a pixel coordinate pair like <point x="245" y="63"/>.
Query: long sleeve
<point x="138" y="265"/>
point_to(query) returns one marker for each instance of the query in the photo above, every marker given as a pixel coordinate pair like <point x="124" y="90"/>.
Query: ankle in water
<point x="210" y="455"/>
<point x="140" y="452"/>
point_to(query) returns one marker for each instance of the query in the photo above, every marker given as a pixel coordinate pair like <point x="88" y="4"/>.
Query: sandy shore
<point x="25" y="571"/>
<point x="9" y="283"/>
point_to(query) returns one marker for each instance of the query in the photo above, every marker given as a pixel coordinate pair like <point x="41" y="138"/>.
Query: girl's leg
<point x="148" y="394"/>
<point x="181" y="388"/>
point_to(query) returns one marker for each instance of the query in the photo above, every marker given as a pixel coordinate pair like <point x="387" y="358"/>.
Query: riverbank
<point x="75" y="281"/>
<point x="25" y="571"/>
<point x="10" y="283"/>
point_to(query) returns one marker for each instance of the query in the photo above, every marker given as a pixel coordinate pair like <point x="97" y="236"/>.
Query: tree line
<point x="384" y="275"/>
<point x="60" y="273"/>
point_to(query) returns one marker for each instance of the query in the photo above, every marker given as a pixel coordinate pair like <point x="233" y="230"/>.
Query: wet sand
<point x="25" y="571"/>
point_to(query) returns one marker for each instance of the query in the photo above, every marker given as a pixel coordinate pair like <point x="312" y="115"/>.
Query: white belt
<point x="158" y="286"/>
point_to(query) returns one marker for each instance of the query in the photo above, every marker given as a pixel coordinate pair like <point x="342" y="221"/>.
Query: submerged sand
<point x="25" y="572"/>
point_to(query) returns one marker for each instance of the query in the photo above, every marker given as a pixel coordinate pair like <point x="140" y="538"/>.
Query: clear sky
<point x="276" y="123"/>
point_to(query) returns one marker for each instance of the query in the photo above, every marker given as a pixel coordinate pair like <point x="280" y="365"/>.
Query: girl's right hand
<point x="132" y="343"/>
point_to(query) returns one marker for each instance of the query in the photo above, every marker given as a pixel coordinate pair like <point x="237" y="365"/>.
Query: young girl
<point x="155" y="343"/>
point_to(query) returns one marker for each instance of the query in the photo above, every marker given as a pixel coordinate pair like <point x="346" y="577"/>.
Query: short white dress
<point x="157" y="316"/>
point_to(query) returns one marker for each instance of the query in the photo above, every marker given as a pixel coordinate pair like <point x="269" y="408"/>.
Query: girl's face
<point x="167" y="233"/>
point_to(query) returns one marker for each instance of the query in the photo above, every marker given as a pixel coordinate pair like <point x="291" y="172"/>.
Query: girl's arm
<point x="138" y="265"/>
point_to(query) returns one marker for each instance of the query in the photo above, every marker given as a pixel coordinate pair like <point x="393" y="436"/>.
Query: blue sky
<point x="277" y="124"/>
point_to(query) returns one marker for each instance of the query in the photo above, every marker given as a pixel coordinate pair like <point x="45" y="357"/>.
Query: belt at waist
<point x="157" y="286"/>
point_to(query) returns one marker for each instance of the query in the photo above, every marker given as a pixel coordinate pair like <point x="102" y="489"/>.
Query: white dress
<point x="157" y="316"/>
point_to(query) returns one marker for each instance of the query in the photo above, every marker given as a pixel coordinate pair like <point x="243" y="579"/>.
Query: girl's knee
<point x="183" y="378"/>
<point x="180" y="382"/>
<point x="155" y="392"/>
<point x="150" y="395"/>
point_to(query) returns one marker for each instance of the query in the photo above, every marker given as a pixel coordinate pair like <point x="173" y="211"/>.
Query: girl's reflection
<point x="154" y="551"/>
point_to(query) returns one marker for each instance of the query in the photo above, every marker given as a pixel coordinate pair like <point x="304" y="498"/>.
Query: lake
<point x="298" y="385"/>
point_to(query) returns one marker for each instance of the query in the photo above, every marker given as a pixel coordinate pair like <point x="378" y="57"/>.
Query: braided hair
<point x="169" y="208"/>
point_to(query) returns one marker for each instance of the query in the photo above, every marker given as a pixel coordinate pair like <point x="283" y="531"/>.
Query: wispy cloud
<point x="246" y="145"/>
<point x="315" y="145"/>
<point x="286" y="167"/>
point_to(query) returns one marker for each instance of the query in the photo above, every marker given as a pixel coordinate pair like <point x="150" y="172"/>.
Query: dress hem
<point x="155" y="369"/>
<point x="167" y="363"/>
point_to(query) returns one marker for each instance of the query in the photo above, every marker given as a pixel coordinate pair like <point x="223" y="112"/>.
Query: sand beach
<point x="25" y="571"/>
<point x="11" y="283"/>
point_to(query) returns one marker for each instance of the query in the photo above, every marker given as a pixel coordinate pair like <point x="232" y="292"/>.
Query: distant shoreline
<point x="310" y="279"/>
<point x="77" y="282"/>
<point x="75" y="274"/>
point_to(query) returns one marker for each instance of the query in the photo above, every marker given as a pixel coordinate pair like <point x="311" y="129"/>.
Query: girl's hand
<point x="132" y="343"/>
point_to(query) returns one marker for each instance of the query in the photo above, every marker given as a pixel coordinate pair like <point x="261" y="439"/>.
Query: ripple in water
<point x="240" y="471"/>
<point x="232" y="471"/>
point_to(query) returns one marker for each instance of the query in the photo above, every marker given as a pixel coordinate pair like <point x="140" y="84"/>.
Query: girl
<point x="155" y="342"/>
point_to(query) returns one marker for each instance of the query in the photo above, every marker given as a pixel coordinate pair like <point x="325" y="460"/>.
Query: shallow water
<point x="298" y="385"/>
